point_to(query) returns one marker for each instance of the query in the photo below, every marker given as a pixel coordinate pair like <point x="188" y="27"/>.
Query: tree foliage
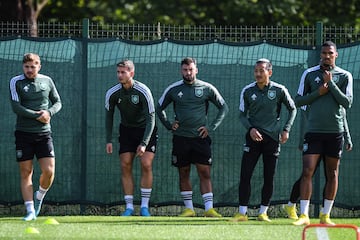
<point x="24" y="11"/>
<point x="203" y="12"/>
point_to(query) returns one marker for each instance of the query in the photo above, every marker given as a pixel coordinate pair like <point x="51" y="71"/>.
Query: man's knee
<point x="332" y="174"/>
<point x="308" y="174"/>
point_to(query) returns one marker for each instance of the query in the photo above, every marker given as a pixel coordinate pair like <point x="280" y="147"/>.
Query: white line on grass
<point x="322" y="234"/>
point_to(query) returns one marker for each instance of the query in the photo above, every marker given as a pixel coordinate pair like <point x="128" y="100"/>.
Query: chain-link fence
<point x="293" y="35"/>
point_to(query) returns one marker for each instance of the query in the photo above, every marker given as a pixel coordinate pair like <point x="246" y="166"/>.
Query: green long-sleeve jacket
<point x="191" y="103"/>
<point x="260" y="108"/>
<point x="136" y="107"/>
<point x="28" y="96"/>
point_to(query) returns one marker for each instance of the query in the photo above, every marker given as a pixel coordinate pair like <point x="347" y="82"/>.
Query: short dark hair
<point x="266" y="61"/>
<point x="329" y="44"/>
<point x="126" y="63"/>
<point x="31" y="57"/>
<point x="188" y="61"/>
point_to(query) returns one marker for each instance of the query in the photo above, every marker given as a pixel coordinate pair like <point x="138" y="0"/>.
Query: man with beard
<point x="191" y="141"/>
<point x="35" y="100"/>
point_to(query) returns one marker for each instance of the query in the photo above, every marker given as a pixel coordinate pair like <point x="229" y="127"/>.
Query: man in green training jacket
<point x="260" y="106"/>
<point x="137" y="133"/>
<point x="191" y="141"/>
<point x="325" y="90"/>
<point x="35" y="100"/>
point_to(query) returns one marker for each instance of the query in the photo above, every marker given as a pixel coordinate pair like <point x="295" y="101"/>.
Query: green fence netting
<point x="84" y="69"/>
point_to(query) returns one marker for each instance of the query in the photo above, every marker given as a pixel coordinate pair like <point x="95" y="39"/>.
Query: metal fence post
<point x="85" y="38"/>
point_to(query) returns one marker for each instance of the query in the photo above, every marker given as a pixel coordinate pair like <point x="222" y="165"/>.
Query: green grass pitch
<point x="114" y="227"/>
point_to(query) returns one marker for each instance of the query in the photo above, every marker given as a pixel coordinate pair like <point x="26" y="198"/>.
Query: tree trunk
<point x="31" y="18"/>
<point x="32" y="9"/>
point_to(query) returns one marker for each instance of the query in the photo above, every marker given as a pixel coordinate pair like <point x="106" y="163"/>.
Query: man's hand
<point x="175" y="125"/>
<point x="323" y="89"/>
<point x="44" y="116"/>
<point x="203" y="132"/>
<point x="140" y="150"/>
<point x="284" y="136"/>
<point x="255" y="135"/>
<point x="327" y="76"/>
<point x="109" y="148"/>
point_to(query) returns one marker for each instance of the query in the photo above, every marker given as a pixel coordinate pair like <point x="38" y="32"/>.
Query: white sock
<point x="145" y="197"/>
<point x="290" y="204"/>
<point x="304" y="207"/>
<point x="327" y="206"/>
<point x="208" y="200"/>
<point x="129" y="199"/>
<point x="40" y="194"/>
<point x="29" y="205"/>
<point x="243" y="210"/>
<point x="187" y="197"/>
<point x="263" y="209"/>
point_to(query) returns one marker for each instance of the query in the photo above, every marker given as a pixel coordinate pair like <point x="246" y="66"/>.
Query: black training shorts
<point x="29" y="145"/>
<point x="131" y="137"/>
<point x="191" y="150"/>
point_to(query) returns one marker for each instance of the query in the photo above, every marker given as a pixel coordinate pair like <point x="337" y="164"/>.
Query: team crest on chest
<point x="135" y="99"/>
<point x="199" y="92"/>
<point x="42" y="86"/>
<point x="271" y="94"/>
<point x="335" y="78"/>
